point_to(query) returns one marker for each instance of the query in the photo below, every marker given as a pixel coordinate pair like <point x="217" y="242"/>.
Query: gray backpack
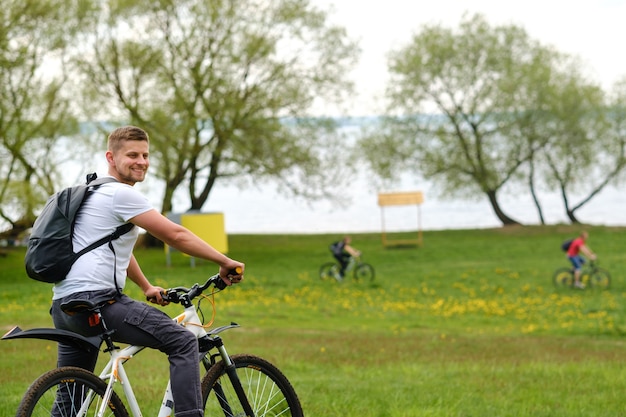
<point x="50" y="253"/>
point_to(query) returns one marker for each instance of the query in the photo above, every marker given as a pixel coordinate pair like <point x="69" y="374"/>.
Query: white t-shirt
<point x="109" y="206"/>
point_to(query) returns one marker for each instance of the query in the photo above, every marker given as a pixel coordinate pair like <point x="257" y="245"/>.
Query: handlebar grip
<point x="220" y="283"/>
<point x="164" y="296"/>
<point x="152" y="299"/>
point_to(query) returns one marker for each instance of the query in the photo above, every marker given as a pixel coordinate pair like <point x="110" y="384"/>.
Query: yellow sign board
<point x="400" y="199"/>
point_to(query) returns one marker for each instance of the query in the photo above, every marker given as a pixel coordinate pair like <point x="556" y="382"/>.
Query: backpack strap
<point x="95" y="182"/>
<point x="119" y="231"/>
<point x="125" y="228"/>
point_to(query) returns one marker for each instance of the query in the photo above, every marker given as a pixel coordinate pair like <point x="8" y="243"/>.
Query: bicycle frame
<point x="114" y="369"/>
<point x="587" y="270"/>
<point x="352" y="263"/>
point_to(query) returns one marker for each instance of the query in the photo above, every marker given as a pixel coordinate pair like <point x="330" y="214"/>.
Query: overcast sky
<point x="593" y="30"/>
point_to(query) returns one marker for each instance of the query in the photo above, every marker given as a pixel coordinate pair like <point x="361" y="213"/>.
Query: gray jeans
<point x="137" y="323"/>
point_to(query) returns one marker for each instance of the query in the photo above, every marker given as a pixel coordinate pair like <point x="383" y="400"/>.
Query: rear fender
<point x="55" y="335"/>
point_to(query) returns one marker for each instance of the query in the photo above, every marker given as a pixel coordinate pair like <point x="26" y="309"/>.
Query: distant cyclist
<point x="342" y="251"/>
<point x="573" y="254"/>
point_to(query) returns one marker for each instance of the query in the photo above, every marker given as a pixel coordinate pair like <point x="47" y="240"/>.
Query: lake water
<point x="266" y="211"/>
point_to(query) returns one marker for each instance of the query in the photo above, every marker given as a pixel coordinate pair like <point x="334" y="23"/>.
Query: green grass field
<point x="467" y="325"/>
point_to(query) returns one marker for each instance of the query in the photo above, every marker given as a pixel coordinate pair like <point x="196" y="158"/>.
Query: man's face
<point x="130" y="162"/>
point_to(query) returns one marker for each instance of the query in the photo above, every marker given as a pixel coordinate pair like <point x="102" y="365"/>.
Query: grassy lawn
<point x="467" y="325"/>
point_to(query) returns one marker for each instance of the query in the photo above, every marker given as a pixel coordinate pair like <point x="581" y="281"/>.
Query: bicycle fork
<point x="231" y="371"/>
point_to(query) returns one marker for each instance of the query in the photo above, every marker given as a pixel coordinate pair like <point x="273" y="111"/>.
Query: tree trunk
<point x="506" y="220"/>
<point x="572" y="216"/>
<point x="570" y="211"/>
<point x="531" y="185"/>
<point x="166" y="203"/>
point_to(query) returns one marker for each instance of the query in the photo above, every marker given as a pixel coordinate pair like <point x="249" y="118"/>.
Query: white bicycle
<point x="238" y="385"/>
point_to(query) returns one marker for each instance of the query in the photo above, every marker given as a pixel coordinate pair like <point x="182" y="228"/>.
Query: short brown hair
<point x="122" y="134"/>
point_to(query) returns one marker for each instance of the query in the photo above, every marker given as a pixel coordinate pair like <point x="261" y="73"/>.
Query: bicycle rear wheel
<point x="328" y="271"/>
<point x="62" y="391"/>
<point x="563" y="277"/>
<point x="364" y="272"/>
<point x="267" y="389"/>
<point x="600" y="279"/>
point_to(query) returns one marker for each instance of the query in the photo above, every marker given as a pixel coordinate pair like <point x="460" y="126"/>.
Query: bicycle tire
<point x="600" y="278"/>
<point x="42" y="397"/>
<point x="364" y="272"/>
<point x="328" y="271"/>
<point x="563" y="277"/>
<point x="268" y="390"/>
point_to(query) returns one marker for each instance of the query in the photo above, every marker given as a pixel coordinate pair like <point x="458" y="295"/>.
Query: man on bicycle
<point x="342" y="251"/>
<point x="100" y="274"/>
<point x="573" y="254"/>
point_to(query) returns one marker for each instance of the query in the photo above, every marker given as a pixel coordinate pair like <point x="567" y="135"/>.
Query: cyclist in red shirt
<point x="573" y="254"/>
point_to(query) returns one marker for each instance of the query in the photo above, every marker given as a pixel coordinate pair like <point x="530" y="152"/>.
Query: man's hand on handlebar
<point x="155" y="295"/>
<point x="232" y="273"/>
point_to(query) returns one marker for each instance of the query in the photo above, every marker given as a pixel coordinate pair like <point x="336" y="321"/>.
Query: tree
<point x="587" y="148"/>
<point x="455" y="101"/>
<point x="224" y="88"/>
<point x="34" y="111"/>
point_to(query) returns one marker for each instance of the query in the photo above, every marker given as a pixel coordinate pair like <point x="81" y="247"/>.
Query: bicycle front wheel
<point x="329" y="271"/>
<point x="600" y="278"/>
<point x="563" y="277"/>
<point x="63" y="391"/>
<point x="364" y="272"/>
<point x="268" y="391"/>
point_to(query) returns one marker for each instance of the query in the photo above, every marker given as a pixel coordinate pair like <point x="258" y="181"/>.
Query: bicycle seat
<point x="79" y="306"/>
